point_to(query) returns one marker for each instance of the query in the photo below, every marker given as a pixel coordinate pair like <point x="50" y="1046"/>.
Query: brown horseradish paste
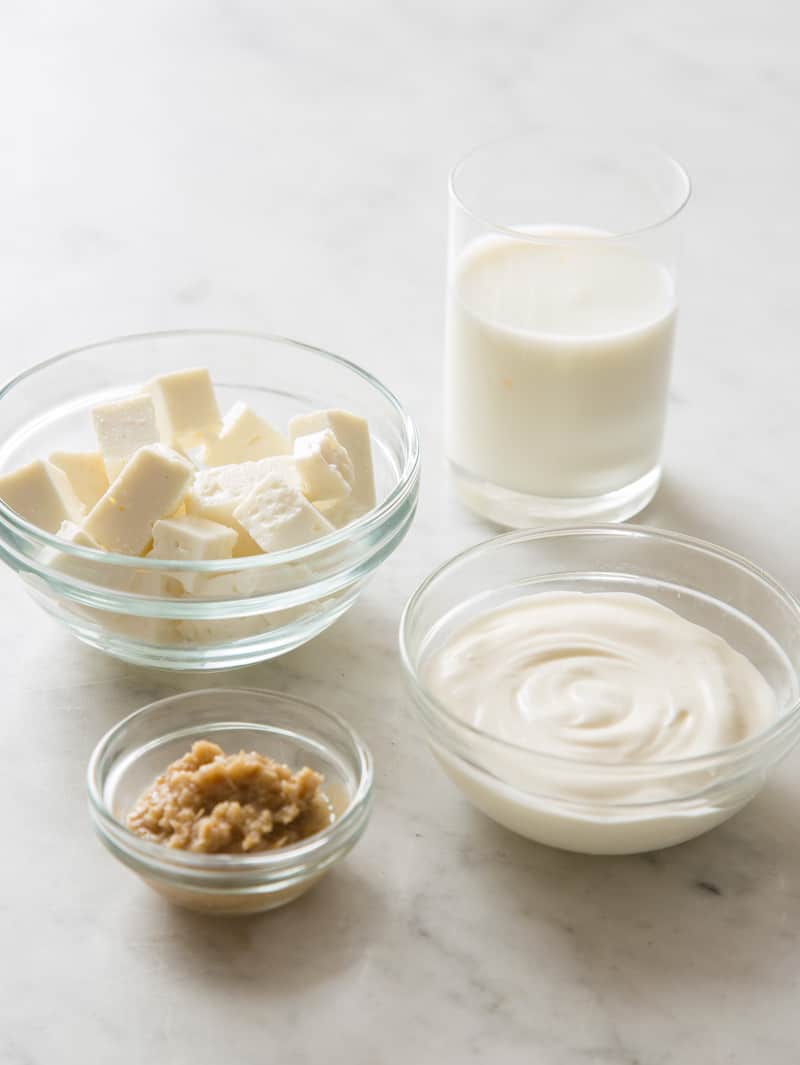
<point x="216" y="803"/>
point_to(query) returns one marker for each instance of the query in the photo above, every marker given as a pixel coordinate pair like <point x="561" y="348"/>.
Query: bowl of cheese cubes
<point x="201" y="499"/>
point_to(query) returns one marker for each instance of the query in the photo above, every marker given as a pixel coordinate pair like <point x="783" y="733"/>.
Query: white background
<point x="283" y="167"/>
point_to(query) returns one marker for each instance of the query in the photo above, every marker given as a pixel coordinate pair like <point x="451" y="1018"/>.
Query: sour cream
<point x="620" y="689"/>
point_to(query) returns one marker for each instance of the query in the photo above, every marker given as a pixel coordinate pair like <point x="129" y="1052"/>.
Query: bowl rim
<point x="168" y="861"/>
<point x="783" y="723"/>
<point x="374" y="518"/>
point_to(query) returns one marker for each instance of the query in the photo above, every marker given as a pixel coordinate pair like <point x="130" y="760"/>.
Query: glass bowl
<point x="203" y="615"/>
<point x="582" y="805"/>
<point x="137" y="750"/>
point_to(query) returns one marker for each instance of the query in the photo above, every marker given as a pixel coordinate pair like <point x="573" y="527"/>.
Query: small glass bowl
<point x="137" y="750"/>
<point x="203" y="615"/>
<point x="582" y="805"/>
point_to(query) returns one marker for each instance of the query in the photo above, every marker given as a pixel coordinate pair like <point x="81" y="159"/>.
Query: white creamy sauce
<point x="607" y="677"/>
<point x="619" y="688"/>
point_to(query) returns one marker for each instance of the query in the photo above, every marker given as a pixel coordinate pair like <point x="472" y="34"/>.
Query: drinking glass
<point x="561" y="312"/>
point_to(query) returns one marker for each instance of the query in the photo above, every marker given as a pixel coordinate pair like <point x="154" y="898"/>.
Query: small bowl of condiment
<point x="607" y="689"/>
<point x="230" y="801"/>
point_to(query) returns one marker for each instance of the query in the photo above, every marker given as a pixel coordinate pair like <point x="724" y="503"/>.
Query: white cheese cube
<point x="75" y="534"/>
<point x="248" y="582"/>
<point x="84" y="569"/>
<point x="86" y="472"/>
<point x="122" y="428"/>
<point x="191" y="539"/>
<point x="150" y="630"/>
<point x="352" y="432"/>
<point x="324" y="466"/>
<point x="233" y="585"/>
<point x="245" y="437"/>
<point x="161" y="583"/>
<point x="223" y="630"/>
<point x="337" y="511"/>
<point x="217" y="492"/>
<point x="41" y="494"/>
<point x="278" y="516"/>
<point x="154" y="585"/>
<point x="151" y="486"/>
<point x="81" y="568"/>
<point x="186" y="407"/>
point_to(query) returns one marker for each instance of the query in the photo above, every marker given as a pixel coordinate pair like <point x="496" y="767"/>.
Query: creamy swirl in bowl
<point x="602" y="677"/>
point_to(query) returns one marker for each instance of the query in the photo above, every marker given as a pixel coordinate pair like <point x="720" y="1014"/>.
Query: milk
<point x="557" y="362"/>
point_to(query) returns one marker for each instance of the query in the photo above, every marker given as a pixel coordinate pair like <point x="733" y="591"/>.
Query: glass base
<point x="116" y="634"/>
<point x="516" y="510"/>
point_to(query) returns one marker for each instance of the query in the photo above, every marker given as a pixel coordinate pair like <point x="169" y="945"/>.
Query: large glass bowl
<point x="233" y="613"/>
<point x="583" y="805"/>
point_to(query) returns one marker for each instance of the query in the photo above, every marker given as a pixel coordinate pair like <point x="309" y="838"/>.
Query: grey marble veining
<point x="283" y="167"/>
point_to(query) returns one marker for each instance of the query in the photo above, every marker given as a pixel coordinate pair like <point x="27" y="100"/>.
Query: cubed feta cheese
<point x="223" y="630"/>
<point x="324" y="466"/>
<point x="248" y="582"/>
<point x="352" y="432"/>
<point x="81" y="568"/>
<point x="217" y="492"/>
<point x="151" y="630"/>
<point x="93" y="572"/>
<point x="337" y="511"/>
<point x="86" y="472"/>
<point x="191" y="539"/>
<point x="151" y="486"/>
<point x="186" y="407"/>
<point x="245" y="437"/>
<point x="122" y="428"/>
<point x="154" y="585"/>
<point x="75" y="534"/>
<point x="234" y="585"/>
<point x="41" y="494"/>
<point x="278" y="516"/>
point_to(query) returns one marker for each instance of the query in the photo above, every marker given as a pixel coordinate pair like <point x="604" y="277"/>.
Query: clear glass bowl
<point x="133" y="753"/>
<point x="203" y="615"/>
<point x="574" y="804"/>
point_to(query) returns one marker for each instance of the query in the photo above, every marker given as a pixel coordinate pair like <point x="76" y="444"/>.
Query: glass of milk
<point x="560" y="325"/>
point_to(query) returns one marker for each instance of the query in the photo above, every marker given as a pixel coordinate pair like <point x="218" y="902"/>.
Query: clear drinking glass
<point x="561" y="314"/>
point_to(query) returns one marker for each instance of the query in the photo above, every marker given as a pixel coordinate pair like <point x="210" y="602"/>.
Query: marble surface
<point x="246" y="164"/>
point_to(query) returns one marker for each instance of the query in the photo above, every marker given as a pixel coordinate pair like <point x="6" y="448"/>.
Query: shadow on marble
<point x="675" y="508"/>
<point x="337" y="669"/>
<point x="317" y="938"/>
<point x="693" y="915"/>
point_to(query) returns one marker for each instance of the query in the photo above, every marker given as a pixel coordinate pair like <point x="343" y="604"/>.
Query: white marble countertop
<point x="246" y="164"/>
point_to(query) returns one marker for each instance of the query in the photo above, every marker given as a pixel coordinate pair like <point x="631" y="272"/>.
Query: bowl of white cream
<point x="606" y="689"/>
